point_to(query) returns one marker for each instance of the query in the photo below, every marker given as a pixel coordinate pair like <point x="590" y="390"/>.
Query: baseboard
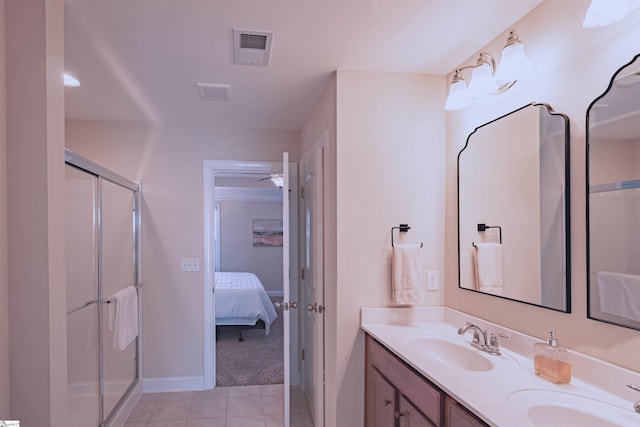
<point x="275" y="293"/>
<point x="165" y="384"/>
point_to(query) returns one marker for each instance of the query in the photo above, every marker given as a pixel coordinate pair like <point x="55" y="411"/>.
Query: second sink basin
<point x="451" y="354"/>
<point x="556" y="409"/>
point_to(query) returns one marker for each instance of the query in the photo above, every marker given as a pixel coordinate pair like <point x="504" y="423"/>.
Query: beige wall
<point x="35" y="170"/>
<point x="4" y="279"/>
<point x="237" y="252"/>
<point x="572" y="66"/>
<point x="390" y="169"/>
<point x="168" y="163"/>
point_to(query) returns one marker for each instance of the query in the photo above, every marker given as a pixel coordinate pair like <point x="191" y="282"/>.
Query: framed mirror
<point x="513" y="208"/>
<point x="613" y="200"/>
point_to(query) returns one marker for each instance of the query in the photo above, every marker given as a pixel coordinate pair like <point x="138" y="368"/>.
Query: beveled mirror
<point x="513" y="208"/>
<point x="613" y="200"/>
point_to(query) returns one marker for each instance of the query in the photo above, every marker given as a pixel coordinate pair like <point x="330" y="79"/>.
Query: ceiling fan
<point x="276" y="178"/>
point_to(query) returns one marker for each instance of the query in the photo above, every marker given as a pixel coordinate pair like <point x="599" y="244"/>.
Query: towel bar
<point x="483" y="227"/>
<point x="137" y="286"/>
<point x="403" y="228"/>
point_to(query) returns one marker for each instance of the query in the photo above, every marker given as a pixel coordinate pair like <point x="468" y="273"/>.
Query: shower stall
<point x="102" y="252"/>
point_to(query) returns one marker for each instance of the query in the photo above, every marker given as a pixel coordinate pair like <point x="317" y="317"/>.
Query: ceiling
<point x="140" y="60"/>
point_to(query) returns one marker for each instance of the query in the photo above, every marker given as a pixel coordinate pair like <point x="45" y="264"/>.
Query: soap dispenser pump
<point x="551" y="361"/>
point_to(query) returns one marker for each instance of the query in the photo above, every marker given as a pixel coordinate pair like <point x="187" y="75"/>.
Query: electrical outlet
<point x="432" y="281"/>
<point x="189" y="264"/>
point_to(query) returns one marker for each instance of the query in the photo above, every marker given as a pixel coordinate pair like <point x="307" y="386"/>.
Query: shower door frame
<point x="101" y="173"/>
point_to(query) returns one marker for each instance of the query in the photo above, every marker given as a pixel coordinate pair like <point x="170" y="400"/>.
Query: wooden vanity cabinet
<point x="396" y="395"/>
<point x="456" y="415"/>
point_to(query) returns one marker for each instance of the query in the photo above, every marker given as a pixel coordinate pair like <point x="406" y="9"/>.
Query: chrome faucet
<point x="479" y="335"/>
<point x="480" y="339"/>
<point x="637" y="404"/>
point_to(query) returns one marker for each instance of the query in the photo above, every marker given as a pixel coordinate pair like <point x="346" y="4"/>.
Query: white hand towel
<point x="408" y="286"/>
<point x="123" y="317"/>
<point x="619" y="294"/>
<point x="488" y="258"/>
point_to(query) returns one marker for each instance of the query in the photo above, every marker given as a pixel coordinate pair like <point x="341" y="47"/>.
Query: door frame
<point x="209" y="168"/>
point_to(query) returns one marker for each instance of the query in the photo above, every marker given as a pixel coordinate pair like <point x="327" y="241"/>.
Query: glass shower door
<point x="118" y="272"/>
<point x="100" y="233"/>
<point x="82" y="298"/>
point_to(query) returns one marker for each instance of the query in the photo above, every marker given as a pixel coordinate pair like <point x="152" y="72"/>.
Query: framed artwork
<point x="267" y="232"/>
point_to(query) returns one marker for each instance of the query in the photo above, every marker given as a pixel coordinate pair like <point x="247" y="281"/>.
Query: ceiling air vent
<point x="214" y="92"/>
<point x="251" y="47"/>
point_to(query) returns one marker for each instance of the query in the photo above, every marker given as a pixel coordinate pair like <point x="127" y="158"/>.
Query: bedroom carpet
<point x="258" y="360"/>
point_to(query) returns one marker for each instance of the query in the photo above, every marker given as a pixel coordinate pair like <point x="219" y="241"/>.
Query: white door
<point x="287" y="305"/>
<point x="313" y="284"/>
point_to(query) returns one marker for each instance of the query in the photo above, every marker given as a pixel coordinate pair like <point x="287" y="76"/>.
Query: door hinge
<point x="302" y="273"/>
<point x="302" y="192"/>
<point x="302" y="353"/>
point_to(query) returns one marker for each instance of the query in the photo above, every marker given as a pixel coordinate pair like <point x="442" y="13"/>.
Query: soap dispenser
<point x="551" y="361"/>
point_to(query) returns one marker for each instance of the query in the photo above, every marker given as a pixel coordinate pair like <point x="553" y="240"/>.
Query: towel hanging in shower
<point x="123" y="317"/>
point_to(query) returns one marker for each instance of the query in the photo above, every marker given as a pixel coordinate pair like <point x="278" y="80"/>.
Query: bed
<point x="241" y="300"/>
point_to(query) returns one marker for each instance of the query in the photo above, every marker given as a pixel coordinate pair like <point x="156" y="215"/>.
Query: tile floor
<point x="246" y="406"/>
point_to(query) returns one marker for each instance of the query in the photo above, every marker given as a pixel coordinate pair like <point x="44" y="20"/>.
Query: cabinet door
<point x="381" y="398"/>
<point x="409" y="416"/>
<point x="458" y="416"/>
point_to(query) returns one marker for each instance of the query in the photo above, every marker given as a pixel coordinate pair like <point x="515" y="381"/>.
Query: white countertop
<point x="497" y="395"/>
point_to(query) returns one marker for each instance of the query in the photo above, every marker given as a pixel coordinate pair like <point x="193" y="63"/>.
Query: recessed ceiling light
<point x="70" y="81"/>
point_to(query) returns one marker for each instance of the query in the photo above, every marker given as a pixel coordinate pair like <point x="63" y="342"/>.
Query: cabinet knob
<point x="400" y="414"/>
<point x="387" y="402"/>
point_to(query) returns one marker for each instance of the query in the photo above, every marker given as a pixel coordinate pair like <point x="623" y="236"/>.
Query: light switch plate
<point x="432" y="281"/>
<point x="189" y="264"/>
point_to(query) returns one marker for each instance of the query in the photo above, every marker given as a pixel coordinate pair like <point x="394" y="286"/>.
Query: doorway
<point x="255" y="169"/>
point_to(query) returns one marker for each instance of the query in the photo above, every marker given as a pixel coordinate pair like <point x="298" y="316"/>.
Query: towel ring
<point x="483" y="227"/>
<point x="403" y="228"/>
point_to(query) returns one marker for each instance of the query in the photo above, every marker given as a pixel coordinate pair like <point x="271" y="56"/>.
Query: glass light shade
<point x="458" y="97"/>
<point x="482" y="81"/>
<point x="605" y="12"/>
<point x="70" y="81"/>
<point x="513" y="64"/>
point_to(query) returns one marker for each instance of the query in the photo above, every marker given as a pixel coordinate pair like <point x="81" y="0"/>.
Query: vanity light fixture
<point x="486" y="78"/>
<point x="605" y="12"/>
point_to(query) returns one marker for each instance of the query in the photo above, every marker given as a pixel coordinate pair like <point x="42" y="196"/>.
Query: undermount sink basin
<point x="557" y="409"/>
<point x="451" y="354"/>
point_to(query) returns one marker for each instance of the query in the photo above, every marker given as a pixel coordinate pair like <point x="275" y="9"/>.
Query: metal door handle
<point x="285" y="305"/>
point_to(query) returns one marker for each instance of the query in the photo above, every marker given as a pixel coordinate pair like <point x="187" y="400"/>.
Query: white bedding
<point x="242" y="300"/>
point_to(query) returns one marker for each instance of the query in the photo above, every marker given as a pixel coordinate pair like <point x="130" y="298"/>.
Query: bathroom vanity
<point x="421" y="372"/>
<point x="398" y="395"/>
